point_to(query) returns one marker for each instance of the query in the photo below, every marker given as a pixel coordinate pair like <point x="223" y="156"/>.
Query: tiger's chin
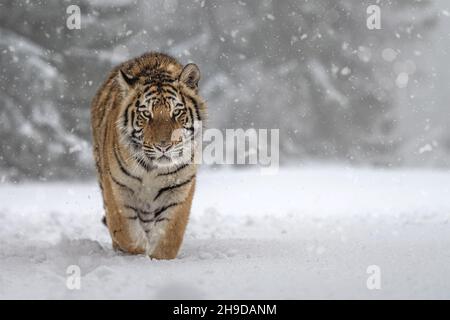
<point x="165" y="162"/>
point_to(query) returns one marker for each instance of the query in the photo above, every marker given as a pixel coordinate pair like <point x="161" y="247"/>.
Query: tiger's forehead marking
<point x="159" y="86"/>
<point x="158" y="96"/>
<point x="158" y="92"/>
<point x="158" y="76"/>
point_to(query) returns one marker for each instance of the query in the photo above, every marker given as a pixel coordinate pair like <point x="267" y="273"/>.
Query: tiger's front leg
<point x="123" y="224"/>
<point x="170" y="242"/>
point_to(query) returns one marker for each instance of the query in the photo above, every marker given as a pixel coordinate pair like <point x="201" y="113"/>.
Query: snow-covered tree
<point x="314" y="70"/>
<point x="47" y="72"/>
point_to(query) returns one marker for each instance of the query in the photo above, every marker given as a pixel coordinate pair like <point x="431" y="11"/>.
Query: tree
<point x="46" y="83"/>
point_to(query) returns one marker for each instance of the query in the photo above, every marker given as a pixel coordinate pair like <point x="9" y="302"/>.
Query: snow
<point x="402" y="80"/>
<point x="302" y="233"/>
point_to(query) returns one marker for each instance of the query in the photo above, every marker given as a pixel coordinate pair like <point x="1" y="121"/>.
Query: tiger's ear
<point x="126" y="80"/>
<point x="190" y="76"/>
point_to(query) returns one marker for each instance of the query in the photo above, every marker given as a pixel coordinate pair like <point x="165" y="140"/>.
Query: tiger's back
<point x="143" y="129"/>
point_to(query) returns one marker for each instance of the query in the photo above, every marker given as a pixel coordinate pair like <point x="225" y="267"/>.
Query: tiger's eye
<point x="146" y="113"/>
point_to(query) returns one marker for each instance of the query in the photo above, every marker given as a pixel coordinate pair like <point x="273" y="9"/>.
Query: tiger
<point x="143" y="124"/>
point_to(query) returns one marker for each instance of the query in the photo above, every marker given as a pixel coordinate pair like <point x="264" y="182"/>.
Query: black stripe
<point x="197" y="111"/>
<point x="131" y="208"/>
<point x="121" y="184"/>
<point x="169" y="188"/>
<point x="143" y="164"/>
<point x="136" y="210"/>
<point x="135" y="132"/>
<point x="192" y="117"/>
<point x="105" y="135"/>
<point x="156" y="213"/>
<point x="174" y="171"/>
<point x="171" y="86"/>
<point x="135" y="140"/>
<point x="133" y="115"/>
<point x="124" y="171"/>
<point x="161" y="210"/>
<point x="125" y="121"/>
<point x="172" y="92"/>
<point x="166" y="79"/>
<point x="151" y="93"/>
<point x="157" y="81"/>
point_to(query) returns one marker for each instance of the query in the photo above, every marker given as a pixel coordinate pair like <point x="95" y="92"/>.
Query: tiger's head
<point x="160" y="111"/>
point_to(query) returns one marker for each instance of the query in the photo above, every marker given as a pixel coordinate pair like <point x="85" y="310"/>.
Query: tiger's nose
<point x="163" y="146"/>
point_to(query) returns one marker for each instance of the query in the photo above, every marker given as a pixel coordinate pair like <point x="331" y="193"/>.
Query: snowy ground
<point x="307" y="233"/>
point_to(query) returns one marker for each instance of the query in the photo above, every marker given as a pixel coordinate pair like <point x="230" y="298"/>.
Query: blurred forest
<point x="337" y="91"/>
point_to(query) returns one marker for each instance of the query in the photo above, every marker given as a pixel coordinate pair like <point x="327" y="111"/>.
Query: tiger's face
<point x="157" y="123"/>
